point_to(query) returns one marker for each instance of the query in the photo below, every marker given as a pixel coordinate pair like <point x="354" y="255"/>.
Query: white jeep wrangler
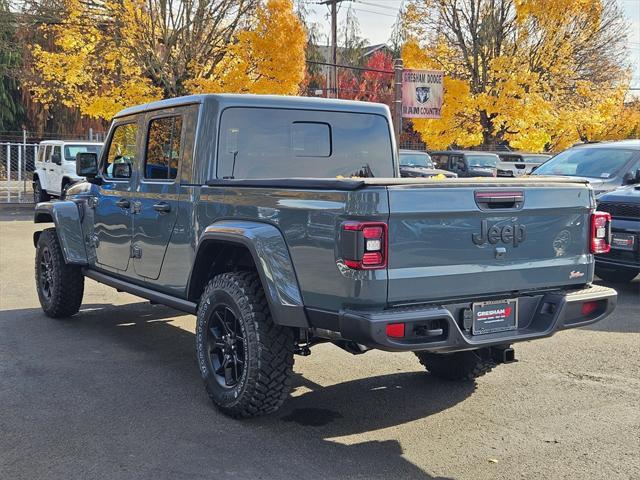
<point x="55" y="167"/>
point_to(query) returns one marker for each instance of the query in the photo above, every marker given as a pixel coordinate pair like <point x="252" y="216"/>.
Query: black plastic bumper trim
<point x="554" y="311"/>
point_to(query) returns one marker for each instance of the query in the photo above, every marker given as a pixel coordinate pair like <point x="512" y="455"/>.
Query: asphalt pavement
<point x="115" y="393"/>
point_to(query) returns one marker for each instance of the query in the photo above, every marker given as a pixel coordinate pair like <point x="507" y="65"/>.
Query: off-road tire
<point x="63" y="296"/>
<point x="465" y="366"/>
<point x="39" y="195"/>
<point x="63" y="190"/>
<point x="267" y="348"/>
<point x="619" y="275"/>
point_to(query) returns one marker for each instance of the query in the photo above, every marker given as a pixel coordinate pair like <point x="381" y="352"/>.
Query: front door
<point x="157" y="192"/>
<point x="55" y="171"/>
<point x="113" y="208"/>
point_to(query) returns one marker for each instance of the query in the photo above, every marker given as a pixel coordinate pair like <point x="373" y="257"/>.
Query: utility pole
<point x="398" y="67"/>
<point x="334" y="43"/>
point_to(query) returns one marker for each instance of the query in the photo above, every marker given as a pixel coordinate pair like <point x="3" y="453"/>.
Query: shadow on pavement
<point x="625" y="318"/>
<point x="124" y="395"/>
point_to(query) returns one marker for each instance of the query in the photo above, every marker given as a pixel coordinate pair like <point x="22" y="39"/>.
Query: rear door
<point x="465" y="241"/>
<point x="157" y="193"/>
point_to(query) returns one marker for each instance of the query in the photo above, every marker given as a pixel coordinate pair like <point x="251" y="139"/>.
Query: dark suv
<point x="414" y="163"/>
<point x="622" y="263"/>
<point x="467" y="163"/>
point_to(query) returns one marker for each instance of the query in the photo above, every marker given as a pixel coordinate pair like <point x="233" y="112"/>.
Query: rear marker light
<point x="395" y="330"/>
<point x="589" y="307"/>
<point x="364" y="245"/>
<point x="372" y="258"/>
<point x="600" y="232"/>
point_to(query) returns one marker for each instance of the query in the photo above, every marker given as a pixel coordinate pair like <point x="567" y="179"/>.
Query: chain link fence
<point x="17" y="163"/>
<point x="18" y="153"/>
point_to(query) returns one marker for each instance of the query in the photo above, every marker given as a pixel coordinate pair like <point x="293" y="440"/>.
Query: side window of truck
<point x="47" y="153"/>
<point x="163" y="149"/>
<point x="56" y="155"/>
<point x="121" y="155"/>
<point x="440" y="161"/>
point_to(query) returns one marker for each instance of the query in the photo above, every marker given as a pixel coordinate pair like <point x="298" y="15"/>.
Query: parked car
<point x="55" y="166"/>
<point x="258" y="228"/>
<point x="513" y="164"/>
<point x="467" y="163"/>
<point x="414" y="163"/>
<point x="622" y="263"/>
<point x="606" y="165"/>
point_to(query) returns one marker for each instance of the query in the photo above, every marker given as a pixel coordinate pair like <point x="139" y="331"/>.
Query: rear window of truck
<point x="256" y="143"/>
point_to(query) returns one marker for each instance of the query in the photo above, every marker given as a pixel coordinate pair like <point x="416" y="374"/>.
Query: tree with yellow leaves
<point x="533" y="73"/>
<point x="111" y="54"/>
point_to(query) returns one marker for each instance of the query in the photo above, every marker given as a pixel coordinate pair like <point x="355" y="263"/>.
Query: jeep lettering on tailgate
<point x="514" y="233"/>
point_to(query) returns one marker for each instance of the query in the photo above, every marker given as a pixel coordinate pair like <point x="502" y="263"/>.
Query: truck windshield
<point x="70" y="151"/>
<point x="586" y="162"/>
<point x="259" y="143"/>
<point x="415" y="160"/>
<point x="482" y="160"/>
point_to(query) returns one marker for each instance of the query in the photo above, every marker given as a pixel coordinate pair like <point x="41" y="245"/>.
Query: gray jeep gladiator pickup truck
<point x="282" y="223"/>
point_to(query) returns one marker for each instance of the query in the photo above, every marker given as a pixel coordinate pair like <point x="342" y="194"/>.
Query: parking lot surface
<point x="114" y="393"/>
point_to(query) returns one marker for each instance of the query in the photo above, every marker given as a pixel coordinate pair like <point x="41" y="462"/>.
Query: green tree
<point x="11" y="111"/>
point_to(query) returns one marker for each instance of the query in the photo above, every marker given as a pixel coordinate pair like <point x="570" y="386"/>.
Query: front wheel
<point x="246" y="361"/>
<point x="619" y="275"/>
<point x="60" y="286"/>
<point x="39" y="195"/>
<point x="467" y="365"/>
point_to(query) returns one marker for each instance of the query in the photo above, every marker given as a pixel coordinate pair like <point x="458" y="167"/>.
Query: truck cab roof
<point x="222" y="101"/>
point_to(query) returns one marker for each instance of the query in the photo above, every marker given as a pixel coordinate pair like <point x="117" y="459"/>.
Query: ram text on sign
<point x="422" y="93"/>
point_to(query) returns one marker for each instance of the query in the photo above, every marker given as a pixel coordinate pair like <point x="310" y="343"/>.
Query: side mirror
<point x="631" y="178"/>
<point x="122" y="170"/>
<point x="87" y="165"/>
<point x="55" y="158"/>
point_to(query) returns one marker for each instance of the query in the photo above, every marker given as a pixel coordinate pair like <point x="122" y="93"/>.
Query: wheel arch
<point x="235" y="245"/>
<point x="66" y="218"/>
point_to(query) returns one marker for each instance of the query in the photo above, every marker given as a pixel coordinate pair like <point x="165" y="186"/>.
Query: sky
<point x="376" y="18"/>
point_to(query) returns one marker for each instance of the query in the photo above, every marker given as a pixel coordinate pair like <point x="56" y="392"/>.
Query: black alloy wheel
<point x="226" y="347"/>
<point x="46" y="274"/>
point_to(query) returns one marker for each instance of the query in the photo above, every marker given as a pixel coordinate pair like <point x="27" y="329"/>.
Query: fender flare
<point x="65" y="215"/>
<point x="273" y="262"/>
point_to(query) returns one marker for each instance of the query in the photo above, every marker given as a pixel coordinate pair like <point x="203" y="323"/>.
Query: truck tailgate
<point x="472" y="240"/>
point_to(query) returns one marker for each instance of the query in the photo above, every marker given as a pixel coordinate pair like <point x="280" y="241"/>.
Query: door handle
<point x="162" y="207"/>
<point x="123" y="203"/>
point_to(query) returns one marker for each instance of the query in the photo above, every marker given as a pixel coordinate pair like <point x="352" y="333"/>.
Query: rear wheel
<point x="246" y="361"/>
<point x="466" y="365"/>
<point x="39" y="195"/>
<point x="60" y="286"/>
<point x="618" y="275"/>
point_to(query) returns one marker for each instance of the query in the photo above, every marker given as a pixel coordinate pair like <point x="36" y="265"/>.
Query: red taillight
<point x="395" y="330"/>
<point x="364" y="245"/>
<point x="600" y="232"/>
<point x="588" y="308"/>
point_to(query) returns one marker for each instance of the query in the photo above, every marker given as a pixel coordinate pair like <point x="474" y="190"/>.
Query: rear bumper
<point x="442" y="329"/>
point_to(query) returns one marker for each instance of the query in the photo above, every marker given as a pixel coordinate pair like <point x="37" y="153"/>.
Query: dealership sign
<point x="422" y="93"/>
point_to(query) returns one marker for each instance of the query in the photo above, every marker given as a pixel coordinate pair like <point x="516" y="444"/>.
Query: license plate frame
<point x="492" y="317"/>
<point x="623" y="237"/>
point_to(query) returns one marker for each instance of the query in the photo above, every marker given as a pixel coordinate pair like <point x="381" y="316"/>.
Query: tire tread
<point x="67" y="296"/>
<point x="271" y="384"/>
